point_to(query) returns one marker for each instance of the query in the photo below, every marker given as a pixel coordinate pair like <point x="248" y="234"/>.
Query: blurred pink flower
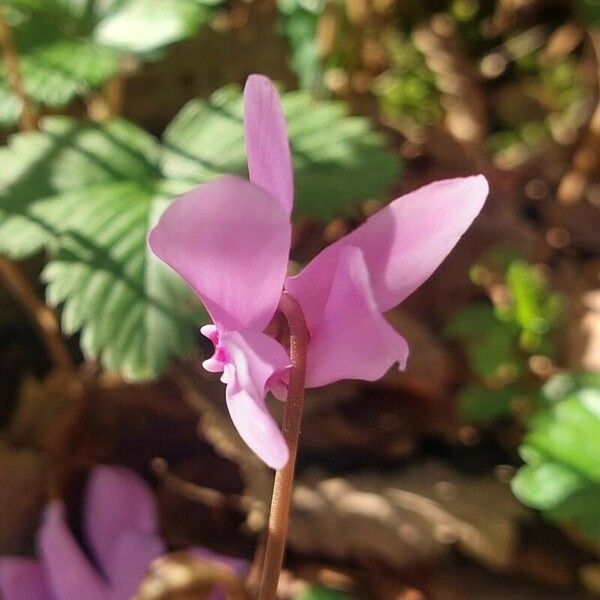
<point x="121" y="529"/>
<point x="230" y="238"/>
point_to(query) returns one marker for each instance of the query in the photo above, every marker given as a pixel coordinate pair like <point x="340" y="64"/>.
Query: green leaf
<point x="338" y="160"/>
<point x="88" y="193"/>
<point x="562" y="449"/>
<point x="45" y="172"/>
<point x="581" y="509"/>
<point x="546" y="485"/>
<point x="10" y="107"/>
<point x="471" y="322"/>
<point x="589" y="11"/>
<point x="298" y="21"/>
<point x="68" y="48"/>
<point x="564" y="384"/>
<point x="56" y="65"/>
<point x="319" y="592"/>
<point x="142" y="26"/>
<point x="495" y="354"/>
<point x="569" y="433"/>
<point x="478" y="404"/>
<point x="534" y="308"/>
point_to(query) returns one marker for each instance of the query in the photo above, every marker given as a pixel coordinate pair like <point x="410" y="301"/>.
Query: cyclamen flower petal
<point x="121" y="526"/>
<point x="120" y="522"/>
<point x="402" y="244"/>
<point x="68" y="571"/>
<point x="133" y="552"/>
<point x="116" y="501"/>
<point x="22" y="579"/>
<point x="352" y="340"/>
<point x="229" y="239"/>
<point x="253" y="359"/>
<point x="267" y="146"/>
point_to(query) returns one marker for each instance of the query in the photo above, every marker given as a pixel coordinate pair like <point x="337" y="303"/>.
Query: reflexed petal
<point x="22" y="579"/>
<point x="402" y="244"/>
<point x="132" y="554"/>
<point x="267" y="146"/>
<point x="352" y="340"/>
<point x="254" y="357"/>
<point x="257" y="427"/>
<point x="118" y="503"/>
<point x="230" y="241"/>
<point x="69" y="573"/>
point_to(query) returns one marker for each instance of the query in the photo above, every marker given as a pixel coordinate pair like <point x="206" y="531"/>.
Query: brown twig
<point x="284" y="478"/>
<point x="197" y="493"/>
<point x="42" y="315"/>
<point x="28" y="119"/>
<point x="109" y="102"/>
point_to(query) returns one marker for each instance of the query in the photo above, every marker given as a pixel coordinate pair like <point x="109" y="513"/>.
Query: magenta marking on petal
<point x="211" y="332"/>
<point x="220" y="358"/>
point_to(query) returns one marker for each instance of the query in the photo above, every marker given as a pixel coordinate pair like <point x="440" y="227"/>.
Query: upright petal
<point x="352" y="340"/>
<point x="267" y="146"/>
<point x="69" y="573"/>
<point x="254" y="358"/>
<point x="402" y="244"/>
<point x="120" y="512"/>
<point x="22" y="579"/>
<point x="229" y="239"/>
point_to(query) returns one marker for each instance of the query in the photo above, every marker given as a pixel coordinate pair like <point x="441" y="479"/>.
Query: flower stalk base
<point x="284" y="478"/>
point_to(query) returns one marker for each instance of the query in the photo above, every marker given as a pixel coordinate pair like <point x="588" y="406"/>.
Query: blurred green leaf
<point x="89" y="192"/>
<point x="581" y="508"/>
<point x="68" y="48"/>
<point x="489" y="342"/>
<point x="495" y="354"/>
<point x="479" y="404"/>
<point x="471" y="322"/>
<point x="318" y="592"/>
<point x="55" y="65"/>
<point x="142" y="26"/>
<point x="408" y="91"/>
<point x="545" y="485"/>
<point x="589" y="11"/>
<point x="298" y="21"/>
<point x="533" y="307"/>
<point x="569" y="432"/>
<point x="562" y="449"/>
<point x="564" y="384"/>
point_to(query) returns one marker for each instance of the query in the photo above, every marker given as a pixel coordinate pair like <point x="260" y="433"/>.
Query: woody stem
<point x="284" y="478"/>
<point x="28" y="121"/>
<point x="41" y="314"/>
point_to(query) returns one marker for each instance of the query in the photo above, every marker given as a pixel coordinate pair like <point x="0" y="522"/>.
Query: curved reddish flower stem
<point x="284" y="478"/>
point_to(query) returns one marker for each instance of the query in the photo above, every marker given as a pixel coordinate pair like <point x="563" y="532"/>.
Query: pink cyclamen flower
<point x="230" y="238"/>
<point x="121" y="529"/>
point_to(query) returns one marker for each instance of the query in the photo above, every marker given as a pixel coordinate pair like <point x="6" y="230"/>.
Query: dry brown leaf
<point x="405" y="517"/>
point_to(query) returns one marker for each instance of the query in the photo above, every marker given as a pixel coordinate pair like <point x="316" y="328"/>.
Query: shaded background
<point x="475" y="474"/>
